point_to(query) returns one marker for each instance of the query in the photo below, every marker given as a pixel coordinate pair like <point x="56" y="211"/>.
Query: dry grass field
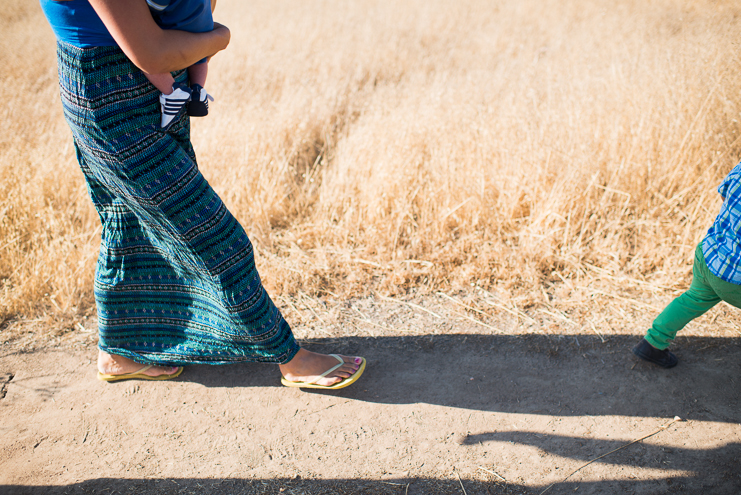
<point x="542" y="152"/>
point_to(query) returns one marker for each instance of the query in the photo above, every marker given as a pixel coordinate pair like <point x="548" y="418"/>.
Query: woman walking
<point x="176" y="282"/>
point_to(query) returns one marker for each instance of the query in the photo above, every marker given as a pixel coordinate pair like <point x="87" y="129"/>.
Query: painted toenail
<point x="358" y="360"/>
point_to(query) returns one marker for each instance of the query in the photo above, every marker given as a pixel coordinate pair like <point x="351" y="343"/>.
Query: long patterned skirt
<point x="176" y="281"/>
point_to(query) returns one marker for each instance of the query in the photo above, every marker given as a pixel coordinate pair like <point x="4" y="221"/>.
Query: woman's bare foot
<point x="112" y="364"/>
<point x="307" y="366"/>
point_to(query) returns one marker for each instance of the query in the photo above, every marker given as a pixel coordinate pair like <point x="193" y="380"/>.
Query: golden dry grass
<point x="518" y="145"/>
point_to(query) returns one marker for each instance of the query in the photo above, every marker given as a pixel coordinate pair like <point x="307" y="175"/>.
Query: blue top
<point x="722" y="244"/>
<point x="75" y="22"/>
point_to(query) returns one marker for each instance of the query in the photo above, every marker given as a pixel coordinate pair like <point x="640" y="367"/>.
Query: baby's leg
<point x="197" y="74"/>
<point x="163" y="81"/>
<point x="198" y="106"/>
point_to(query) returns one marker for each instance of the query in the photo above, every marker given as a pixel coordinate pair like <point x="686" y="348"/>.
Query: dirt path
<point x="433" y="414"/>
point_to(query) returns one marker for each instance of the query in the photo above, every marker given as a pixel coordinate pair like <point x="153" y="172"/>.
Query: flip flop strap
<point x="142" y="370"/>
<point x="330" y="370"/>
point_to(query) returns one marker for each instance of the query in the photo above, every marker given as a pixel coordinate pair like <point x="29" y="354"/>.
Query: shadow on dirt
<point x="531" y="374"/>
<point x="712" y="470"/>
<point x="268" y="486"/>
<point x="722" y="482"/>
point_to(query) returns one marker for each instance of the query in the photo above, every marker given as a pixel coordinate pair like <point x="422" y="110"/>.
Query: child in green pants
<point x="716" y="276"/>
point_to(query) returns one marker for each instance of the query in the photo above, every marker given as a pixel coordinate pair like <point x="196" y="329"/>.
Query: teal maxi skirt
<point x="176" y="282"/>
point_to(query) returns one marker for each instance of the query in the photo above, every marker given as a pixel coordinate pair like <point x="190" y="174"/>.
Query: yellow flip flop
<point x="138" y="375"/>
<point x="342" y="384"/>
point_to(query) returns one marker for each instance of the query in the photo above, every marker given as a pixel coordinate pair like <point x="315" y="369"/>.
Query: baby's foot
<point x="172" y="104"/>
<point x="198" y="106"/>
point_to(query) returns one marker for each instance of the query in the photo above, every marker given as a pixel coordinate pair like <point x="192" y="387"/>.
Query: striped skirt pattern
<point x="176" y="281"/>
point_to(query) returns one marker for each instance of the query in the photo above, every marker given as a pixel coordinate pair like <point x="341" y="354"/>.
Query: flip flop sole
<point x="344" y="383"/>
<point x="138" y="376"/>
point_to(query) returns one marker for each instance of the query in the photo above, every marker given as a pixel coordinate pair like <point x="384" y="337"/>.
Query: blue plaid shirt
<point x="722" y="244"/>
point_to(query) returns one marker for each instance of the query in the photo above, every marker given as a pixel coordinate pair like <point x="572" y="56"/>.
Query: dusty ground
<point x="454" y="407"/>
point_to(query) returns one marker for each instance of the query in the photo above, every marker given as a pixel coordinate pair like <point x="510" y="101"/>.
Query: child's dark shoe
<point x="663" y="358"/>
<point x="198" y="106"/>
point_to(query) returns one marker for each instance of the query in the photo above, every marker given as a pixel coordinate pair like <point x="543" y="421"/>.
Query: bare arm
<point x="151" y="48"/>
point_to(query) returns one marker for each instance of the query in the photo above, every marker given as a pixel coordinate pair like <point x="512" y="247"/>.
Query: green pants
<point x="706" y="291"/>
